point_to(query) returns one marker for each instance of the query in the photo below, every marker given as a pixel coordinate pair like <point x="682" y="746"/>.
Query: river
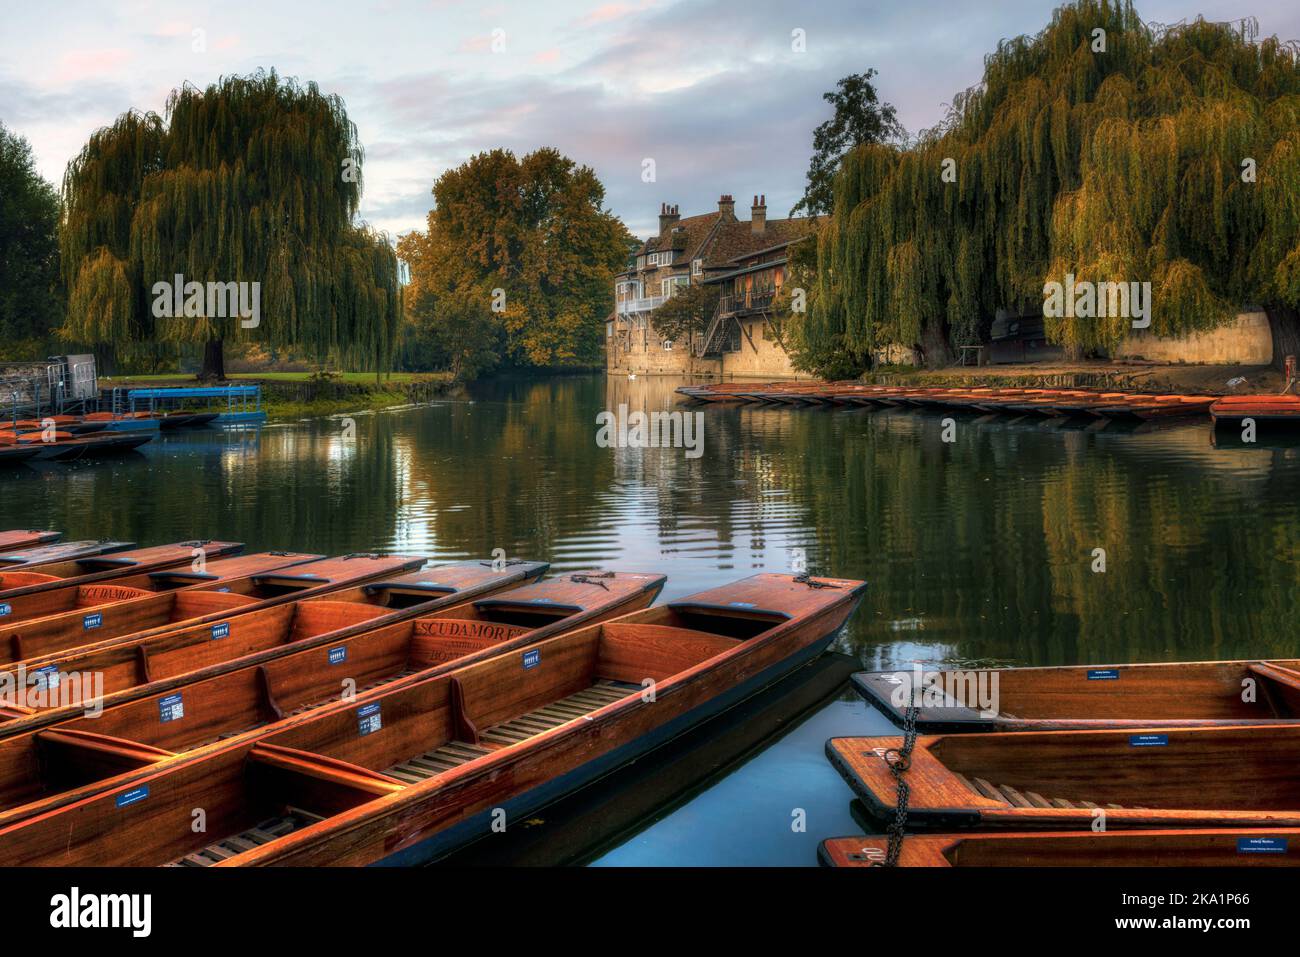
<point x="1018" y="542"/>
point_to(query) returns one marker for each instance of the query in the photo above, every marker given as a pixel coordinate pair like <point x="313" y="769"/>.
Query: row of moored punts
<point x="1183" y="764"/>
<point x="1053" y="403"/>
<point x="96" y="434"/>
<point x="358" y="709"/>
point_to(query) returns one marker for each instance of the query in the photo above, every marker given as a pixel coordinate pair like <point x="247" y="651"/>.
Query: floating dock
<point x="1044" y="402"/>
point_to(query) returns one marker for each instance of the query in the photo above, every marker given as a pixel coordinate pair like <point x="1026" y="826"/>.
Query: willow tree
<point x="255" y="179"/>
<point x="1103" y="147"/>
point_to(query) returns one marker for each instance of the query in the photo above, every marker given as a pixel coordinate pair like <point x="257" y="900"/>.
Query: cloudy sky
<point x="711" y="90"/>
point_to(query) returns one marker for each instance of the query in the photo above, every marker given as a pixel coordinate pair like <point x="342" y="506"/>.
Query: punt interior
<point x="137" y="734"/>
<point x="346" y="756"/>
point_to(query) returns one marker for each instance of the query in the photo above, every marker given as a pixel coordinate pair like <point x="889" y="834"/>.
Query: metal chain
<point x="899" y="761"/>
<point x="806" y="579"/>
<point x="592" y="579"/>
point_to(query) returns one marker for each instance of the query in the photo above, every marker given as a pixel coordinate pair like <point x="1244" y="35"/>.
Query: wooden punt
<point x="1185" y="848"/>
<point x="97" y="579"/>
<point x="305" y="608"/>
<point x="1048" y="403"/>
<point x="65" y="446"/>
<point x="26" y="538"/>
<point x="1065" y="780"/>
<point x="725" y="392"/>
<point x="98" y="613"/>
<point x="252" y="700"/>
<point x="62" y="423"/>
<point x="1231" y="409"/>
<point x="59" y="554"/>
<point x="404" y="775"/>
<point x="1080" y="697"/>
<point x="176" y="420"/>
<point x="1158" y="406"/>
<point x="964" y="398"/>
<point x="225" y="600"/>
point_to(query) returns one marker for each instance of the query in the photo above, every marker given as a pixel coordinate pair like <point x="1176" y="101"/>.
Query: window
<point x="609" y="330"/>
<point x="697" y="267"/>
<point x="668" y="345"/>
<point x="668" y="286"/>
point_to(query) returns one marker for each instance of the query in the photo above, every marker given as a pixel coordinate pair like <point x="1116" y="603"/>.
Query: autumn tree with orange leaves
<point x="517" y="265"/>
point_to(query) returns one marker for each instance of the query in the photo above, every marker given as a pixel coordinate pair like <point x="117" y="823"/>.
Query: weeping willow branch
<point x="254" y="179"/>
<point x="1117" y="165"/>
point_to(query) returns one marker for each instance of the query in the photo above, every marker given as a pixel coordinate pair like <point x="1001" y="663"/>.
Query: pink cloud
<point x="613" y="11"/>
<point x="87" y="64"/>
<point x="547" y="56"/>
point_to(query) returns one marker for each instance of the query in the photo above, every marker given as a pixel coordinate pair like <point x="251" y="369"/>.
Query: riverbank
<point x="290" y="396"/>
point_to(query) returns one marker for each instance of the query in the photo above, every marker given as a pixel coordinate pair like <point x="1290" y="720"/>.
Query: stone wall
<point x="1245" y="341"/>
<point x="758" y="356"/>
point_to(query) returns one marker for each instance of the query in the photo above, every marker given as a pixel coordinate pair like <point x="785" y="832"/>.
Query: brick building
<point x="747" y="259"/>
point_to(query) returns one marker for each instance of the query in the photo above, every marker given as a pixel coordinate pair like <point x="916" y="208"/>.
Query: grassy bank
<point x="288" y="396"/>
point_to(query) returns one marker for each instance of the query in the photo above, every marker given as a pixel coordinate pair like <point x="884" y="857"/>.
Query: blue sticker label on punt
<point x="6" y="610"/>
<point x="221" y="630"/>
<point x="1103" y="674"/>
<point x="369" y="719"/>
<point x="171" y="708"/>
<point x="133" y="796"/>
<point x="47" y="677"/>
<point x="741" y="604"/>
<point x="92" y="621"/>
<point x="224" y="588"/>
<point x="338" y="655"/>
<point x="532" y="658"/>
<point x="1261" y="845"/>
<point x="1148" y="740"/>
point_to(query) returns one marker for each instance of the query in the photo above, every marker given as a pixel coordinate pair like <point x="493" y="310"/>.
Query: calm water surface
<point x="980" y="550"/>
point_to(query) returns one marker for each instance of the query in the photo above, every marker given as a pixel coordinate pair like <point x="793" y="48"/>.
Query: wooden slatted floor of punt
<point x="292" y="820"/>
<point x="1005" y="792"/>
<point x="455" y="753"/>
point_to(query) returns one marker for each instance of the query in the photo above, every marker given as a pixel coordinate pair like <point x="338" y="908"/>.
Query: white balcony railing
<point x="649" y="303"/>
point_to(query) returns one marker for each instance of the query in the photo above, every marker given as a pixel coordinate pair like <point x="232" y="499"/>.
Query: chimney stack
<point x="727" y="206"/>
<point x="758" y="214"/>
<point x="668" y="216"/>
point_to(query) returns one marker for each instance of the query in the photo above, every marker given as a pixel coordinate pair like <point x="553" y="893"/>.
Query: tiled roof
<point x="693" y="231"/>
<point x="723" y="241"/>
<point x="738" y="239"/>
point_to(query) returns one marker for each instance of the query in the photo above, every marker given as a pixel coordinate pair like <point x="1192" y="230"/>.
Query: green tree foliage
<point x="254" y="179"/>
<point x="1123" y="164"/>
<point x="859" y="118"/>
<point x="31" y="297"/>
<point x="442" y="330"/>
<point x="517" y="263"/>
<point x="687" y="312"/>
